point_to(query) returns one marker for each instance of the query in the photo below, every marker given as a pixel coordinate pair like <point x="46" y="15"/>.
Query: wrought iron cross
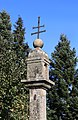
<point x="38" y="29"/>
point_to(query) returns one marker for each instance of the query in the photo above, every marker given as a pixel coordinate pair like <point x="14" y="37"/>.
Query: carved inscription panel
<point x="34" y="71"/>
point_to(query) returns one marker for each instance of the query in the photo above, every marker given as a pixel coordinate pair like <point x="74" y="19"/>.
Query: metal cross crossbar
<point x="38" y="29"/>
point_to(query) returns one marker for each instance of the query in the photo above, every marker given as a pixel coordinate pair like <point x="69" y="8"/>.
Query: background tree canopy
<point x="13" y="54"/>
<point x="60" y="104"/>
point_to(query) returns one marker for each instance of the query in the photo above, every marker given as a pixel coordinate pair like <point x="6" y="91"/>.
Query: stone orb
<point x="38" y="43"/>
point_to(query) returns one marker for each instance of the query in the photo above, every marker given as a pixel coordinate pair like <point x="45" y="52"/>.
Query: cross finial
<point x="38" y="29"/>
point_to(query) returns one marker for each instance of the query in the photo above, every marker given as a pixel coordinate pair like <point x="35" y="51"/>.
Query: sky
<point x="58" y="16"/>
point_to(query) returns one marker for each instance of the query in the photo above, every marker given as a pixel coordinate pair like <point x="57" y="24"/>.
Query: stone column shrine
<point x="37" y="80"/>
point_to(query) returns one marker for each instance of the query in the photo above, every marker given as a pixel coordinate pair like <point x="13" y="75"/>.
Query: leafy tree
<point x="13" y="93"/>
<point x="19" y="36"/>
<point x="19" y="31"/>
<point x="21" y="49"/>
<point x="5" y="64"/>
<point x="5" y="26"/>
<point x="74" y="97"/>
<point x="62" y="72"/>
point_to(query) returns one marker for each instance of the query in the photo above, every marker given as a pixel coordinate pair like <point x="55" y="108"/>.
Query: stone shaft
<point x="37" y="104"/>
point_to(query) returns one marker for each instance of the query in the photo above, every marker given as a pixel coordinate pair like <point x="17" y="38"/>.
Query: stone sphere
<point x="38" y="43"/>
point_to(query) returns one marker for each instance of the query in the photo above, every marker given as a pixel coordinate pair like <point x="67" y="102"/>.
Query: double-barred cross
<point x="38" y="32"/>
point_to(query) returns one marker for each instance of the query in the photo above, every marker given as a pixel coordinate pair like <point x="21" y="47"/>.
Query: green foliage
<point x="62" y="72"/>
<point x="5" y="26"/>
<point x="13" y="93"/>
<point x="74" y="97"/>
<point x="19" y="31"/>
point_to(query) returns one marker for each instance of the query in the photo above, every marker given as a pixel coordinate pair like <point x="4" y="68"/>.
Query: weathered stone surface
<point x="38" y="43"/>
<point x="37" y="104"/>
<point x="45" y="84"/>
<point x="38" y="81"/>
<point x="37" y="65"/>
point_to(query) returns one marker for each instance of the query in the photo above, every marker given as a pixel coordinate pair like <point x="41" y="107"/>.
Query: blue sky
<point x="59" y="16"/>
